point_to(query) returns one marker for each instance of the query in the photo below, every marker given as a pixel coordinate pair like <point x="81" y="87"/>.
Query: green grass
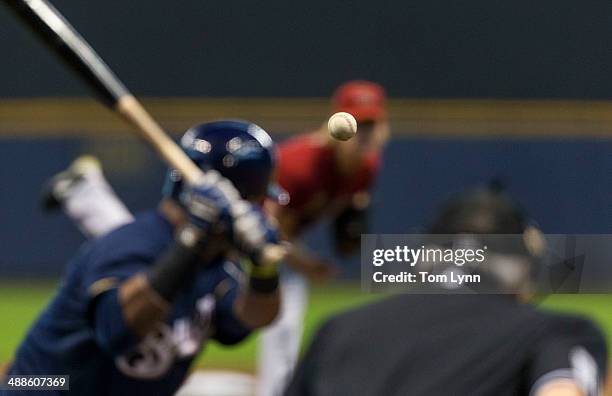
<point x="20" y="303"/>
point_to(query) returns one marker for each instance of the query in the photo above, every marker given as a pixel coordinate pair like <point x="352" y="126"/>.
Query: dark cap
<point x="480" y="211"/>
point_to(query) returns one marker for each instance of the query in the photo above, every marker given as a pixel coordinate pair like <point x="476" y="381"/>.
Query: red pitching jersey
<point x="306" y="170"/>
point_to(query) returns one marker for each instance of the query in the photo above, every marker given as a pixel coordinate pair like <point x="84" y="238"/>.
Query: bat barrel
<point x="51" y="27"/>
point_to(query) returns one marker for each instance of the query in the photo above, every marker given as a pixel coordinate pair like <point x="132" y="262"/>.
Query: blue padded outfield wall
<point x="565" y="184"/>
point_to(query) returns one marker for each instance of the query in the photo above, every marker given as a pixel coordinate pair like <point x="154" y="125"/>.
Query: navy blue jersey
<point x="62" y="340"/>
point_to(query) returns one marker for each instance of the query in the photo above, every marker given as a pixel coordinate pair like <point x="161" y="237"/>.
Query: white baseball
<point x="342" y="126"/>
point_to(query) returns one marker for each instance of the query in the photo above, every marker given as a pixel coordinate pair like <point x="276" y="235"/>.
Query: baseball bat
<point x="52" y="28"/>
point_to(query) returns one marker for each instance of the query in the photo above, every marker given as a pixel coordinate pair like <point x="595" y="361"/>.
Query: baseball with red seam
<point x="342" y="126"/>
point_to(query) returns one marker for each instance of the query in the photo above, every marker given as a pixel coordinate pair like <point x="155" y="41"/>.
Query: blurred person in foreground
<point x="138" y="304"/>
<point x="324" y="178"/>
<point x="460" y="344"/>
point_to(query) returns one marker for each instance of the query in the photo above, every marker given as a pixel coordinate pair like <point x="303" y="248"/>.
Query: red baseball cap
<point x="365" y="100"/>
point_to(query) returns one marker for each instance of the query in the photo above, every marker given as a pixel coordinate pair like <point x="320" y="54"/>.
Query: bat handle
<point x="131" y="109"/>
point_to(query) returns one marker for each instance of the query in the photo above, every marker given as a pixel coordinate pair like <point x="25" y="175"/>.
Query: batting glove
<point x="208" y="204"/>
<point x="214" y="201"/>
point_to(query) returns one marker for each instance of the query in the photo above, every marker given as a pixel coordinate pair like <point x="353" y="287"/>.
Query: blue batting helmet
<point x="240" y="151"/>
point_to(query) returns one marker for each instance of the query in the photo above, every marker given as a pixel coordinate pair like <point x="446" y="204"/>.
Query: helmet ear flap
<point x="173" y="183"/>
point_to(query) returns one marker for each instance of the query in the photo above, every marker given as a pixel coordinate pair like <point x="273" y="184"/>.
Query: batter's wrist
<point x="263" y="279"/>
<point x="263" y="272"/>
<point x="263" y="285"/>
<point x="178" y="266"/>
